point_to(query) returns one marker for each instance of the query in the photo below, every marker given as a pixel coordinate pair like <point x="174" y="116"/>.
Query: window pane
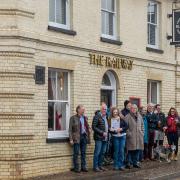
<point x="149" y="16"/>
<point x="61" y="11"/>
<point x="60" y="116"/>
<point x="62" y="86"/>
<point x="149" y="12"/>
<point x="154" y="14"/>
<point x="107" y="23"/>
<point x="103" y="22"/>
<point x="110" y="5"/>
<point x="154" y="92"/>
<point x="52" y="10"/>
<point x="152" y="35"/>
<point x="104" y="4"/>
<point x="106" y="80"/>
<point x="51" y="85"/>
<point x="111" y="24"/>
<point x="148" y="92"/>
<point x="50" y="116"/>
<point x="57" y="116"/>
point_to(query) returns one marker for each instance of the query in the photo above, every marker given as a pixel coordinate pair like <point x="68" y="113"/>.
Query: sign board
<point x="111" y="62"/>
<point x="176" y="26"/>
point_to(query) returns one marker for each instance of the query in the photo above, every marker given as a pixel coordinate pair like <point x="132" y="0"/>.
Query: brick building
<point x="56" y="54"/>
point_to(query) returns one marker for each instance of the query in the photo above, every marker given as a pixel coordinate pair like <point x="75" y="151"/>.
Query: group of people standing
<point x="134" y="132"/>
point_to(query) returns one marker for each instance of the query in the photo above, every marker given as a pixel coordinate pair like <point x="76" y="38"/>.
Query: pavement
<point x="150" y="170"/>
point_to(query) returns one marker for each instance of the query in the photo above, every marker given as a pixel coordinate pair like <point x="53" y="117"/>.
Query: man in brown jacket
<point x="79" y="136"/>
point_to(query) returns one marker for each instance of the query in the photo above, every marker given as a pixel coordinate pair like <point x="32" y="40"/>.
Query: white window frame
<point x="158" y="91"/>
<point x="58" y="25"/>
<point x="157" y="33"/>
<point x="114" y="37"/>
<point x="65" y="133"/>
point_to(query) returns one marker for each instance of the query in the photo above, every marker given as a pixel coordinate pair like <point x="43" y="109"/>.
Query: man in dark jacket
<point x="126" y="110"/>
<point x="100" y="128"/>
<point x="79" y="134"/>
<point x="152" y="125"/>
<point x="161" y="123"/>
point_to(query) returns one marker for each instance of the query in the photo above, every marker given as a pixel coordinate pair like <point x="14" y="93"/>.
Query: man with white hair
<point x="135" y="136"/>
<point x="100" y="128"/>
<point x="79" y="136"/>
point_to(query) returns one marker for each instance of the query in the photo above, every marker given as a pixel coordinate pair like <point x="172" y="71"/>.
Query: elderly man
<point x="100" y="128"/>
<point x="79" y="134"/>
<point x="135" y="136"/>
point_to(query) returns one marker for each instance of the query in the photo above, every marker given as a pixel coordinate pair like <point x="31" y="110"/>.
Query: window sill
<point x="111" y="41"/>
<point x="159" y="51"/>
<point x="57" y="140"/>
<point x="65" y="31"/>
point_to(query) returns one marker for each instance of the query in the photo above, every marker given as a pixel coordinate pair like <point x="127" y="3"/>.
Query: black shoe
<point x="128" y="166"/>
<point x="136" y="166"/>
<point x="77" y="171"/>
<point x="97" y="170"/>
<point x="102" y="169"/>
<point x="84" y="170"/>
<point x="122" y="169"/>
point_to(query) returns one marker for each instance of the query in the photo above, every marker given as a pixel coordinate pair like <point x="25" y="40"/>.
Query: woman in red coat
<point x="172" y="130"/>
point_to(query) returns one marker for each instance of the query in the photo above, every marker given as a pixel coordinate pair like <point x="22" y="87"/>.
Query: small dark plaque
<point x="40" y="75"/>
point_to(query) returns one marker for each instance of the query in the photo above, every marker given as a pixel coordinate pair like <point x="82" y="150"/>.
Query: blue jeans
<point x="141" y="155"/>
<point x="119" y="146"/>
<point x="82" y="147"/>
<point x="133" y="157"/>
<point x="99" y="152"/>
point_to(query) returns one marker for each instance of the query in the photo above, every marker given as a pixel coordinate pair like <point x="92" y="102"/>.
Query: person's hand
<point x="164" y="128"/>
<point x="119" y="130"/>
<point x="71" y="142"/>
<point x="176" y="120"/>
<point x="105" y="134"/>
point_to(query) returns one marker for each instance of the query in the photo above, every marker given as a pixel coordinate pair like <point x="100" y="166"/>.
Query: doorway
<point x="108" y="89"/>
<point x="106" y="96"/>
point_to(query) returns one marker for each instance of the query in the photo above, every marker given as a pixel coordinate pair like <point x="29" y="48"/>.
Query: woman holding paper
<point x="118" y="129"/>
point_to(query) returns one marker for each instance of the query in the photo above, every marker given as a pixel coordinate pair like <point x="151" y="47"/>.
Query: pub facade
<point x="56" y="54"/>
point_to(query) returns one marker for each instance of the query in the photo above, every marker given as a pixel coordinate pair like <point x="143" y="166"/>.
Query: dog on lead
<point x="164" y="152"/>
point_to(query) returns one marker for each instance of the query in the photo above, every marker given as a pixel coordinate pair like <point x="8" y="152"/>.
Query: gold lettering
<point x="112" y="62"/>
<point x="100" y="61"/>
<point x="130" y="63"/>
<point x="92" y="58"/>
<point x="107" y="61"/>
<point x="124" y="63"/>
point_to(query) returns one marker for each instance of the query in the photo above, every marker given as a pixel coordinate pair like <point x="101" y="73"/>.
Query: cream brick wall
<point x="26" y="42"/>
